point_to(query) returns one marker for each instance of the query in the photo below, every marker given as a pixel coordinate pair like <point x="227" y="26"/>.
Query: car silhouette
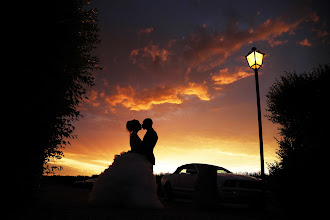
<point x="231" y="188"/>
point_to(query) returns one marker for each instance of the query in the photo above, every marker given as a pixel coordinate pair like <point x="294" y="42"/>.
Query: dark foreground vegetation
<point x="297" y="103"/>
<point x="58" y="65"/>
<point x="58" y="198"/>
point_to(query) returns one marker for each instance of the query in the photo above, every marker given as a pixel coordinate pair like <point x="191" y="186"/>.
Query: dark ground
<point x="62" y="201"/>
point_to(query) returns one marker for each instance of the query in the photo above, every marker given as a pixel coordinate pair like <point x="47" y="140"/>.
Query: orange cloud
<point x="92" y="98"/>
<point x="200" y="90"/>
<point x="305" y="42"/>
<point x="145" y="99"/>
<point x="224" y="77"/>
<point x="124" y="96"/>
<point x="151" y="51"/>
<point x="146" y="31"/>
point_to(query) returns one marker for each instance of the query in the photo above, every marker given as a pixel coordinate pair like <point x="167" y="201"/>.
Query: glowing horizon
<point x="171" y="154"/>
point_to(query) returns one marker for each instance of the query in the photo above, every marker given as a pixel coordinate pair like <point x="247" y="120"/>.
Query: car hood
<point x="226" y="176"/>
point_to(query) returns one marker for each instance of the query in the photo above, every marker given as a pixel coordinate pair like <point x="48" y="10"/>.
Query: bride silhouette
<point x="129" y="181"/>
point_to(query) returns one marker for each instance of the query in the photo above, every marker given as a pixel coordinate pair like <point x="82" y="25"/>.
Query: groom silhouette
<point x="149" y="140"/>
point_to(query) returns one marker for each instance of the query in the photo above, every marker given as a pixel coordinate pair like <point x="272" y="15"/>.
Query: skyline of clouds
<point x="182" y="64"/>
<point x="201" y="52"/>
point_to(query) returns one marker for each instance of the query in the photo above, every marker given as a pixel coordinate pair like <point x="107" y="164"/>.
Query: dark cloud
<point x="163" y="72"/>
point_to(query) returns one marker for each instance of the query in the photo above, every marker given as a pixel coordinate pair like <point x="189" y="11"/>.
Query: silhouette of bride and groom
<point x="129" y="181"/>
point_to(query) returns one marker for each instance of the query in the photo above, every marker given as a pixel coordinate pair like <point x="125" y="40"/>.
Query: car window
<point x="219" y="171"/>
<point x="179" y="169"/>
<point x="183" y="171"/>
<point x="191" y="167"/>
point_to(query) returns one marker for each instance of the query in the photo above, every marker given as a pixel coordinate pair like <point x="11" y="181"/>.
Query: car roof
<point x="203" y="164"/>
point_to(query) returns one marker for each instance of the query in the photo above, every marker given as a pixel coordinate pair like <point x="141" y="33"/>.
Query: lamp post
<point x="254" y="59"/>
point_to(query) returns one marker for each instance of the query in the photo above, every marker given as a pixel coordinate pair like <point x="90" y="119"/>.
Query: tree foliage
<point x="58" y="67"/>
<point x="75" y="31"/>
<point x="298" y="104"/>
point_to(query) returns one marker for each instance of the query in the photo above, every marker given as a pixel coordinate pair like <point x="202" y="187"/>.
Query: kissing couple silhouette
<point x="129" y="181"/>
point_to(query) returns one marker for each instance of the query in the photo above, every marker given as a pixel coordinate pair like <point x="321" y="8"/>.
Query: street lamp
<point x="254" y="59"/>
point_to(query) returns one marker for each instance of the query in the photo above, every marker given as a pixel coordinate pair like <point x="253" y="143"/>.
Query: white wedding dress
<point x="128" y="182"/>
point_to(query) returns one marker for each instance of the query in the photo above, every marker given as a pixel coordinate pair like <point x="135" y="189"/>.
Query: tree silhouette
<point x="298" y="103"/>
<point x="66" y="34"/>
<point x="76" y="33"/>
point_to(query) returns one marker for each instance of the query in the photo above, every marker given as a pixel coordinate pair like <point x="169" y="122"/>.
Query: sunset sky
<point x="182" y="64"/>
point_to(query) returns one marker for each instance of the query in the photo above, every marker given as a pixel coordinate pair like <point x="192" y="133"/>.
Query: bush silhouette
<point x="298" y="103"/>
<point x="54" y="83"/>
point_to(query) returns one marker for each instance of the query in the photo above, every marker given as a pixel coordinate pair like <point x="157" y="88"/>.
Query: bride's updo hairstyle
<point x="133" y="125"/>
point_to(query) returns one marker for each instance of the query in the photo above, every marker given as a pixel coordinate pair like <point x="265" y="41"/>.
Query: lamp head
<point x="254" y="58"/>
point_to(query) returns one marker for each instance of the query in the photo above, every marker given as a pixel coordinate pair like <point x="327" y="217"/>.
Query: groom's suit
<point x="149" y="142"/>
